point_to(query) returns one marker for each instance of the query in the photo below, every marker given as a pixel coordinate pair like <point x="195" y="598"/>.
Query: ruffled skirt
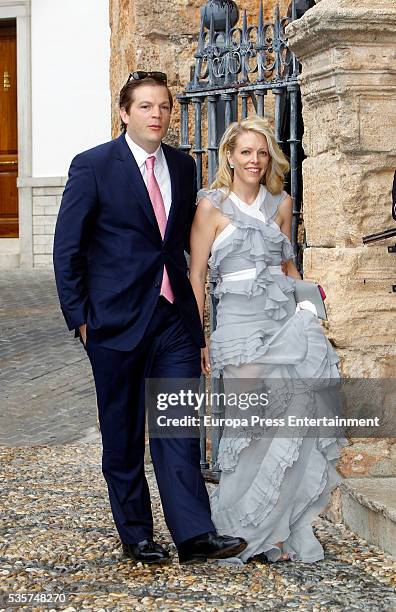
<point x="272" y="487"/>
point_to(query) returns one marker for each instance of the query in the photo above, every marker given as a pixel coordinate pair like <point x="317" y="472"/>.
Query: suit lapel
<point x="174" y="172"/>
<point x="135" y="180"/>
<point x="138" y="186"/>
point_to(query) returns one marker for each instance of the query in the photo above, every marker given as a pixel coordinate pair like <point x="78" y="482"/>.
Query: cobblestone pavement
<point x="46" y="387"/>
<point x="57" y="537"/>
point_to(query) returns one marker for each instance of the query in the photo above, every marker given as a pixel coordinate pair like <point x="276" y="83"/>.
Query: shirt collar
<point x="140" y="154"/>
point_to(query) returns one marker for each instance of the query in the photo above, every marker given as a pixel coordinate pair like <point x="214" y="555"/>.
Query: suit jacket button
<point x="157" y="285"/>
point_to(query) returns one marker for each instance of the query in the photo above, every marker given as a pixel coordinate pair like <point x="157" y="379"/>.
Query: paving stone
<point x="57" y="536"/>
<point x="46" y="387"/>
<point x="56" y="531"/>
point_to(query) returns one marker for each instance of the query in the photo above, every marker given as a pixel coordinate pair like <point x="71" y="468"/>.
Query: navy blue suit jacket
<point x="108" y="250"/>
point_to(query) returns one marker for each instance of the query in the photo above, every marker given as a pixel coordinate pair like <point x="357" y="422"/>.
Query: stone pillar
<point x="348" y="82"/>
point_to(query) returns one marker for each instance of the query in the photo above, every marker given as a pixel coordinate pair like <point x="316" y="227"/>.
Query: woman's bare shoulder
<point x="206" y="207"/>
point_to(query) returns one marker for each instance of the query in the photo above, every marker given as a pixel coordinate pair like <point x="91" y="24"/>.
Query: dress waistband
<point x="249" y="273"/>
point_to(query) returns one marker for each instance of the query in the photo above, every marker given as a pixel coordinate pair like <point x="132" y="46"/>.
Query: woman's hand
<point x="205" y="360"/>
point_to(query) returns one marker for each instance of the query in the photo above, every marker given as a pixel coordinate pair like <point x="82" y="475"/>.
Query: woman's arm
<point x="291" y="269"/>
<point x="203" y="232"/>
<point x="285" y="212"/>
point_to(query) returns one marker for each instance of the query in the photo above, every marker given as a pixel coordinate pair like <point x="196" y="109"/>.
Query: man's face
<point x="149" y="116"/>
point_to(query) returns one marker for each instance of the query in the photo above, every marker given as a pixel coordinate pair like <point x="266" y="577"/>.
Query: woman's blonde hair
<point x="278" y="165"/>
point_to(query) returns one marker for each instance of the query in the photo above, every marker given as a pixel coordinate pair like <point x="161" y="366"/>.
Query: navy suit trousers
<point x="166" y="351"/>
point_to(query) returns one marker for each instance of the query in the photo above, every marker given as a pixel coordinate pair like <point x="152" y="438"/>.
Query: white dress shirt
<point x="161" y="170"/>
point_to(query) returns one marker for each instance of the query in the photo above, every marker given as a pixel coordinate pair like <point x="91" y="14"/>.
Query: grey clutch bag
<point x="307" y="290"/>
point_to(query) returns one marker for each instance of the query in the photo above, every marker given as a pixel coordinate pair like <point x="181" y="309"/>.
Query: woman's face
<point x="250" y="158"/>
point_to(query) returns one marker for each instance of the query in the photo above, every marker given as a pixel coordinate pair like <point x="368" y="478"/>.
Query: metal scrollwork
<point x="237" y="52"/>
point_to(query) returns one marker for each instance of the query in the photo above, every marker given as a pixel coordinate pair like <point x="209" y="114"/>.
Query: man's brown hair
<point x="127" y="93"/>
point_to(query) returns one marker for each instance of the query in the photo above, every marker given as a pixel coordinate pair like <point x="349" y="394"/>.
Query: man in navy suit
<point x="122" y="282"/>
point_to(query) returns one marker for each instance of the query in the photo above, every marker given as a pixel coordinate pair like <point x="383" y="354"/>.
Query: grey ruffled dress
<point x="271" y="487"/>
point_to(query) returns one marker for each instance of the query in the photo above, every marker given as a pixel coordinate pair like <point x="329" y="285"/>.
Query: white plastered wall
<point x="70" y="81"/>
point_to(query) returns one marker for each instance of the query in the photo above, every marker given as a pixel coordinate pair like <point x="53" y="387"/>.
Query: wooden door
<point x="8" y="131"/>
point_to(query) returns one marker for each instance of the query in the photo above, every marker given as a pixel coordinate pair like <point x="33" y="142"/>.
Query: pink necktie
<point x="160" y="215"/>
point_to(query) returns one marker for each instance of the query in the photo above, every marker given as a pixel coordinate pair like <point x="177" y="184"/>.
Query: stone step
<point x="9" y="253"/>
<point x="9" y="261"/>
<point x="368" y="507"/>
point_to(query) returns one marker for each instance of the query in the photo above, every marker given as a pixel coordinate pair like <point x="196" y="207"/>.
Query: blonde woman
<point x="271" y="487"/>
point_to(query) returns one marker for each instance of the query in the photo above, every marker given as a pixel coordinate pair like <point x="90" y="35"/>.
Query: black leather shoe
<point x="146" y="551"/>
<point x="210" y="546"/>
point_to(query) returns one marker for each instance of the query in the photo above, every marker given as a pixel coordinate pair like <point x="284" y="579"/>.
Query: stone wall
<point x="47" y="195"/>
<point x="348" y="84"/>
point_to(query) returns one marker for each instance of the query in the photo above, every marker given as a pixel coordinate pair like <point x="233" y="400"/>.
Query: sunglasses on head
<point x="139" y="75"/>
